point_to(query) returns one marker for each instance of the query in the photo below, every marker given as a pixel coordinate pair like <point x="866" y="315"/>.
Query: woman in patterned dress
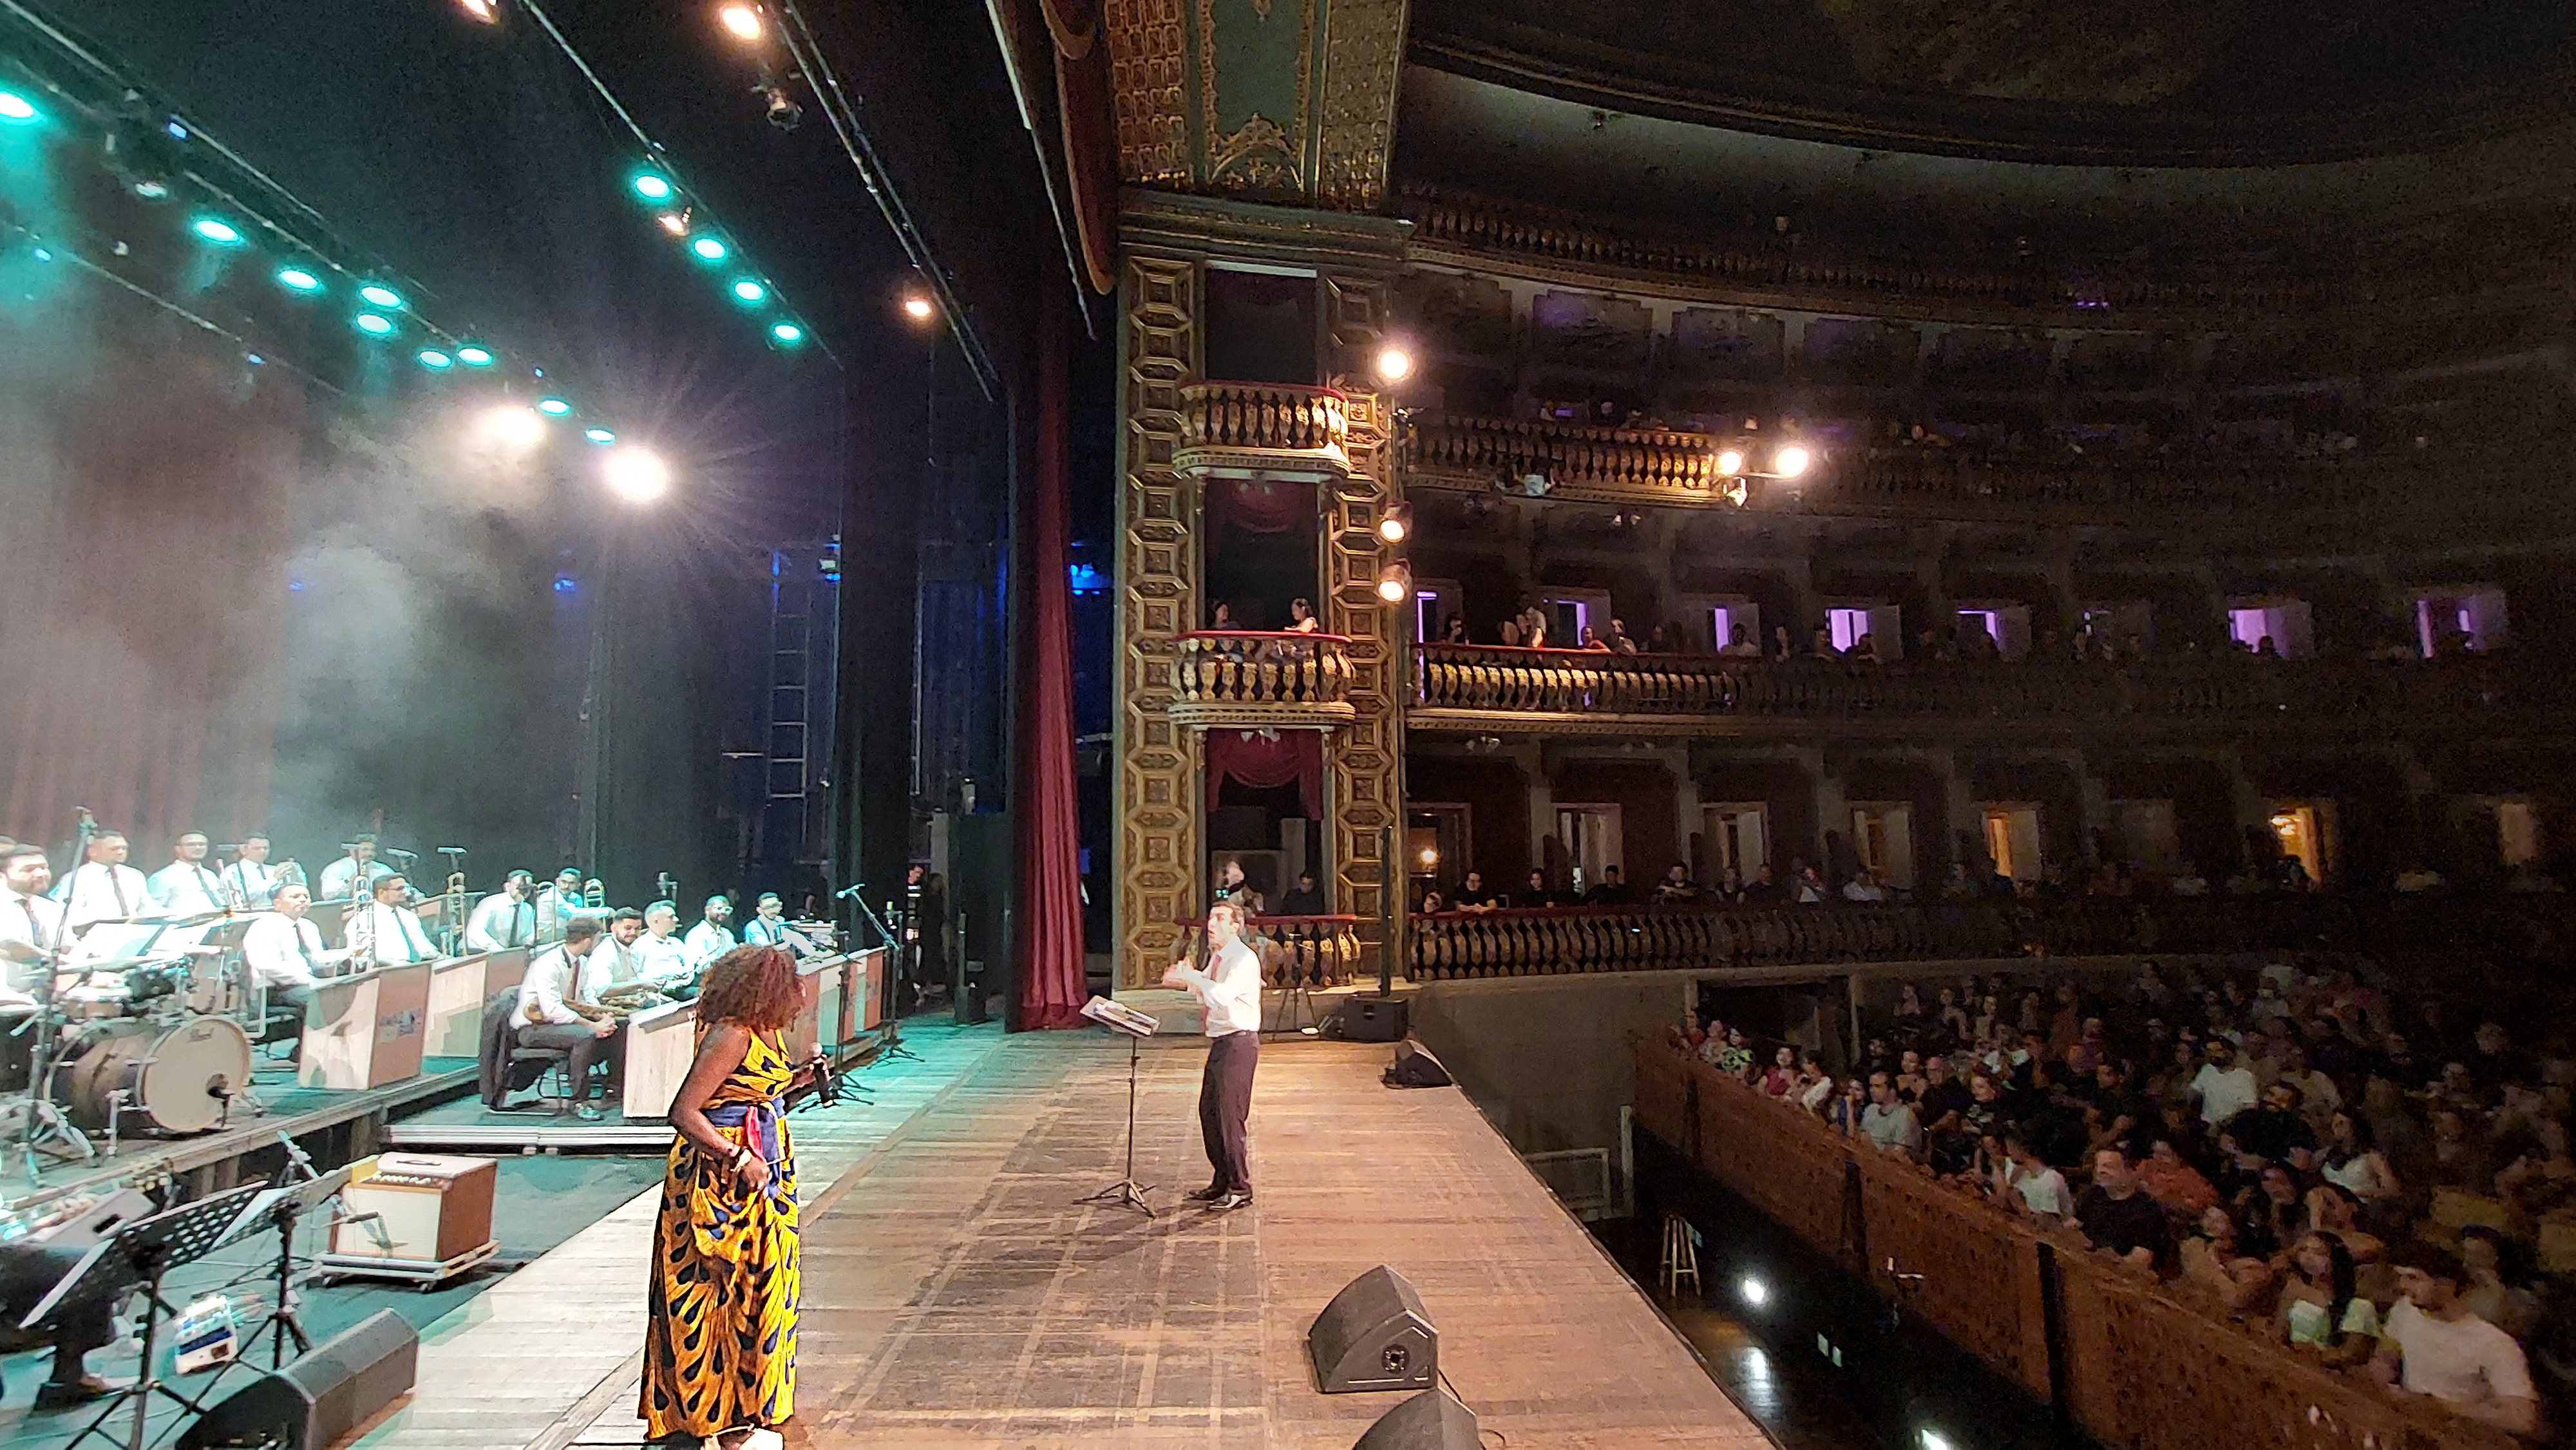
<point x="720" y="1345"/>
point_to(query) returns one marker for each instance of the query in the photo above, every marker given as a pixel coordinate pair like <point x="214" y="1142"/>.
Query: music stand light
<point x="1135" y="1026"/>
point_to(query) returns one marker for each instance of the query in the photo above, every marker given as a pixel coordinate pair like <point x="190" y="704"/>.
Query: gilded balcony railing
<point x="1261" y="677"/>
<point x="1307" y="951"/>
<point x="1255" y="429"/>
<point x="1504" y="688"/>
<point x="1555" y="941"/>
<point x="1642" y="461"/>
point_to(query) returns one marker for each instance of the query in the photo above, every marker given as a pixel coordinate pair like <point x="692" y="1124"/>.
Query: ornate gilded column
<point x="1158" y="570"/>
<point x="1365" y="760"/>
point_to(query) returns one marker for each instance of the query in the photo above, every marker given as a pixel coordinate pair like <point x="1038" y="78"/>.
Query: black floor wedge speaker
<point x="318" y="1398"/>
<point x="1374" y="1336"/>
<point x="1414" y="1066"/>
<point x="1374" y="1019"/>
<point x="1431" y="1420"/>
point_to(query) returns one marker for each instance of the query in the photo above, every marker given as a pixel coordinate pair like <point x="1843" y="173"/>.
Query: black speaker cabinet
<point x="1374" y="1019"/>
<point x="1431" y="1420"/>
<point x="1374" y="1336"/>
<point x="1414" y="1066"/>
<point x="320" y="1397"/>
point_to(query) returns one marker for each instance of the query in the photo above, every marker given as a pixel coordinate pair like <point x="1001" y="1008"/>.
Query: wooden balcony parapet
<point x="1262" y="678"/>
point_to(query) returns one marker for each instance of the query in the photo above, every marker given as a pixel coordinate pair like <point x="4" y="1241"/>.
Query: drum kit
<point x="143" y="1026"/>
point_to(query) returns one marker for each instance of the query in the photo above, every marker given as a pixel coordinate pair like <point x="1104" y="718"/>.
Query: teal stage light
<point x="16" y="109"/>
<point x="374" y="326"/>
<point x="381" y="295"/>
<point x="296" y="279"/>
<point x="709" y="249"/>
<point x="553" y="407"/>
<point x="600" y="436"/>
<point x="786" y="334"/>
<point x="474" y="357"/>
<point x="746" y="290"/>
<point x="651" y="185"/>
<point x="216" y="230"/>
<point x="436" y="361"/>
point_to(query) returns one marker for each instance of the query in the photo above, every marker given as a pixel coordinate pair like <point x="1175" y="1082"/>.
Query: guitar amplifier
<point x="428" y="1210"/>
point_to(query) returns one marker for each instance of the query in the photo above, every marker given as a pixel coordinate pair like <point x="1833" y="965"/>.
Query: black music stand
<point x="138" y="1254"/>
<point x="283" y="1208"/>
<point x="1135" y="1026"/>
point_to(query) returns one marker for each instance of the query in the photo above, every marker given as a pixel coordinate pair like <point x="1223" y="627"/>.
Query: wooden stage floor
<point x="958" y="1295"/>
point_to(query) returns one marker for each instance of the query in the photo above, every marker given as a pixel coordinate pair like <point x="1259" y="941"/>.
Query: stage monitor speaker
<point x="319" y="1398"/>
<point x="1374" y="1019"/>
<point x="1374" y="1336"/>
<point x="1414" y="1066"/>
<point x="1431" y="1420"/>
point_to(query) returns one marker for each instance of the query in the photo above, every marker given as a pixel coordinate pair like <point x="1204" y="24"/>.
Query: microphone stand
<point x="894" y="1047"/>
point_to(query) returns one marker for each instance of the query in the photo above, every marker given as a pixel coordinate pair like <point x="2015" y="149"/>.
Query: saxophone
<point x="456" y="913"/>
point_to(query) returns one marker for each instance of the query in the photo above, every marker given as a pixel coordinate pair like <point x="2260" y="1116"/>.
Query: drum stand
<point x="38" y="1123"/>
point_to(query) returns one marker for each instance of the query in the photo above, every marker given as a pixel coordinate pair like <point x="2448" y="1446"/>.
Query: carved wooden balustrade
<point x="1555" y="941"/>
<point x="2142" y="1365"/>
<point x="1647" y="462"/>
<point x="1502" y="688"/>
<point x="1308" y="951"/>
<point x="1261" y="677"/>
<point x="1255" y="430"/>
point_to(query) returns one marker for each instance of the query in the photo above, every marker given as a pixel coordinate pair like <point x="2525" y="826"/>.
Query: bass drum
<point x="174" y="1081"/>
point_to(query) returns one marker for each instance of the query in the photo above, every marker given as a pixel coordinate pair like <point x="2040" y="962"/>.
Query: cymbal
<point x="118" y="964"/>
<point x="201" y="951"/>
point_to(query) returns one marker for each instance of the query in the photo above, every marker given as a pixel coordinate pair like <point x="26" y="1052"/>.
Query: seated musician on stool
<point x="31" y="927"/>
<point x="506" y="918"/>
<point x="29" y="1270"/>
<point x="661" y="956"/>
<point x="385" y="930"/>
<point x="102" y="887"/>
<point x="284" y="948"/>
<point x="187" y="886"/>
<point x="560" y="901"/>
<point x="713" y="937"/>
<point x="251" y="882"/>
<point x="550" y="1018"/>
<point x="769" y="928"/>
<point x="340" y="878"/>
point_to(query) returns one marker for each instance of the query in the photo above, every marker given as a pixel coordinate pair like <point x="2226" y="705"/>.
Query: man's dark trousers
<point x="1225" y="1100"/>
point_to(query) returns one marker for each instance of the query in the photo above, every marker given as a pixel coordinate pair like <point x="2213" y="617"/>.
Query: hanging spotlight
<point x="513" y="427"/>
<point x="1791" y="461"/>
<point x="600" y="436"/>
<point x="674" y="222"/>
<point x="216" y="230"/>
<point x="296" y="279"/>
<point x="710" y="249"/>
<point x="16" y="109"/>
<point x="1394" y="364"/>
<point x="747" y="290"/>
<point x="1731" y="462"/>
<point x="434" y="360"/>
<point x="474" y="357"/>
<point x="152" y="190"/>
<point x="1753" y="1291"/>
<point x="918" y="308"/>
<point x="637" y="475"/>
<point x="651" y="185"/>
<point x="783" y="111"/>
<point x="553" y="407"/>
<point x="786" y="334"/>
<point x="742" y="21"/>
<point x="1395" y="582"/>
<point x="381" y="295"/>
<point x="373" y="325"/>
<point x="485" y="11"/>
<point x="1396" y="524"/>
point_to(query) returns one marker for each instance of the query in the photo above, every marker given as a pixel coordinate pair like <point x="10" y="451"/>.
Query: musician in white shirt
<point x="385" y="930"/>
<point x="614" y="963"/>
<point x="251" y="883"/>
<point x="552" y="1012"/>
<point x="1229" y="988"/>
<point x="713" y="937"/>
<point x="284" y="948"/>
<point x="31" y="926"/>
<point x="187" y="886"/>
<point x="102" y="887"/>
<point x="340" y="878"/>
<point x="560" y="901"/>
<point x="661" y="957"/>
<point x="769" y="928"/>
<point x="506" y="918"/>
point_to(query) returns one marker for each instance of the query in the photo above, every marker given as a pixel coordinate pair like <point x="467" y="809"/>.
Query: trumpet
<point x="455" y="923"/>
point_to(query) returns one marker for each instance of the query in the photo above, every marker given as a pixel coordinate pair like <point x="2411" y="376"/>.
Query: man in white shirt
<point x="31" y="926"/>
<point x="560" y="901"/>
<point x="340" y="878"/>
<point x="385" y="931"/>
<point x="553" y="1014"/>
<point x="506" y="918"/>
<point x="2224" y="1087"/>
<point x="613" y="963"/>
<point x="102" y="887"/>
<point x="2432" y="1345"/>
<point x="284" y="948"/>
<point x="713" y="937"/>
<point x="187" y="886"/>
<point x="251" y="883"/>
<point x="769" y="928"/>
<point x="1229" y="989"/>
<point x="661" y="957"/>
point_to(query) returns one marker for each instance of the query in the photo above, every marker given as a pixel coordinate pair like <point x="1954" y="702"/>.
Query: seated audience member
<point x="1735" y="1055"/>
<point x="2352" y="1162"/>
<point x="1471" y="895"/>
<point x="1889" y="1123"/>
<point x="2493" y="1290"/>
<point x="2027" y="1186"/>
<point x="2224" y="1087"/>
<point x="2214" y="1258"/>
<point x="1815" y="1088"/>
<point x="1849" y="1105"/>
<point x="1763" y="889"/>
<point x="2321" y="1311"/>
<point x="2171" y="1181"/>
<point x="2432" y="1345"/>
<point x="1304" y="899"/>
<point x="1431" y="903"/>
<point x="2274" y="1130"/>
<point x="1677" y="885"/>
<point x="2117" y="1216"/>
<point x="2334" y="1210"/>
<point x="1863" y="887"/>
<point x="1613" y="890"/>
<point x="1739" y="645"/>
<point x="2459" y="1156"/>
<point x="1780" y="1079"/>
<point x="1535" y="893"/>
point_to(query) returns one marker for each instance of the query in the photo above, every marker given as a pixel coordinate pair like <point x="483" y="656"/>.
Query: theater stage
<point x="958" y="1294"/>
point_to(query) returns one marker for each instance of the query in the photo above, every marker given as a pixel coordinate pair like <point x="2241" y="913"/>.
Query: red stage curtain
<point x="1052" y="989"/>
<point x="1084" y="109"/>
<point x="1265" y="762"/>
<point x="1257" y="506"/>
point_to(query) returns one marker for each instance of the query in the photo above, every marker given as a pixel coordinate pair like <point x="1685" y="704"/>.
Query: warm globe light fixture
<point x="918" y="308"/>
<point x="1730" y="462"/>
<point x="1791" y="461"/>
<point x="741" y="21"/>
<point x="1395" y="582"/>
<point x="1394" y="365"/>
<point x="1396" y="524"/>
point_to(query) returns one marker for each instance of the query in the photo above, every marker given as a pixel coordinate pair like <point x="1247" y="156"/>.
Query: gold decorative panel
<point x="1158" y="818"/>
<point x="1364" y="758"/>
<point x="1145" y="90"/>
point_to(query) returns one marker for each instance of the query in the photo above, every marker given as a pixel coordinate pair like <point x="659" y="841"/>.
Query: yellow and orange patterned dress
<point x="720" y="1346"/>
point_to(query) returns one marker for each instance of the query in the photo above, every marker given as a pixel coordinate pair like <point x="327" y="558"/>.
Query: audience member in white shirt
<point x="187" y="886"/>
<point x="340" y="878"/>
<point x="2432" y="1345"/>
<point x="2224" y="1087"/>
<point x="713" y="937"/>
<point x="102" y="887"/>
<point x="251" y="882"/>
<point x="769" y="928"/>
<point x="385" y="930"/>
<point x="552" y="1012"/>
<point x="284" y="948"/>
<point x="1229" y="988"/>
<point x="31" y="926"/>
<point x="506" y="918"/>
<point x="661" y="956"/>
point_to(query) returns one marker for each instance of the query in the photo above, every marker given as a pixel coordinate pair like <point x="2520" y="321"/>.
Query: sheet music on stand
<point x="124" y="1259"/>
<point x="1119" y="1017"/>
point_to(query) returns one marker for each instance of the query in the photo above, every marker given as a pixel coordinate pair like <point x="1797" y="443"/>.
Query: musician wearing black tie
<point x="31" y="927"/>
<point x="285" y="948"/>
<point x="506" y="918"/>
<point x="102" y="887"/>
<point x="250" y="882"/>
<point x="385" y="931"/>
